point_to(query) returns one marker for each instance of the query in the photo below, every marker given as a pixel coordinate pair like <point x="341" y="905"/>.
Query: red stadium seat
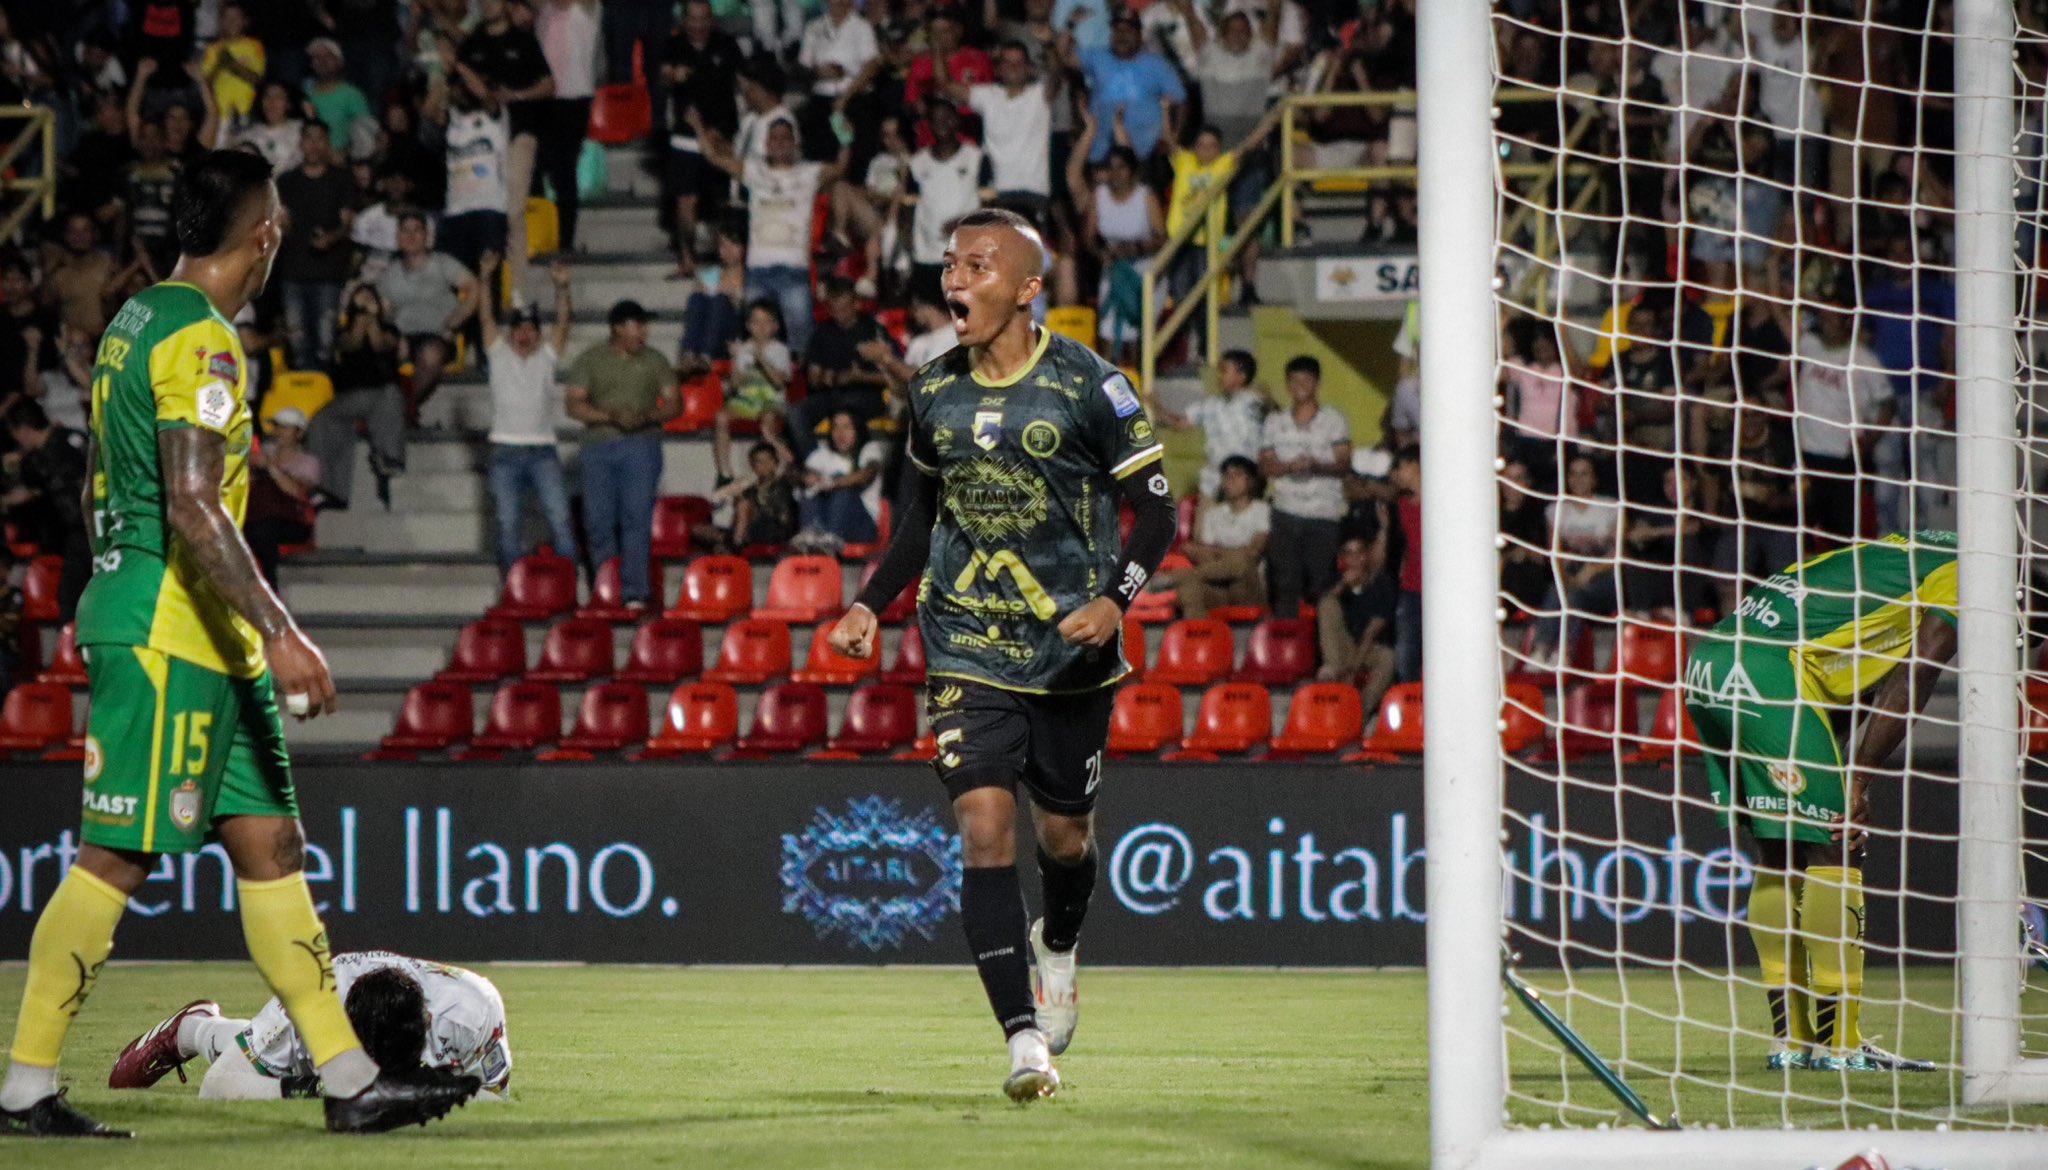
<point x="1672" y="733"/>
<point x="1195" y="652"/>
<point x="1159" y="605"/>
<point x="675" y="518"/>
<point x="665" y="651"/>
<point x="902" y="609"/>
<point x="789" y="718"/>
<point x="607" y="598"/>
<point x="35" y="716"/>
<point x="1282" y="652"/>
<point x="1234" y="717"/>
<point x="908" y="669"/>
<point x="700" y="716"/>
<point x="924" y="751"/>
<point x="524" y="716"/>
<point x="803" y="589"/>
<point x="1522" y="711"/>
<point x="715" y="589"/>
<point x="828" y="667"/>
<point x="703" y="397"/>
<point x="753" y="651"/>
<point x="862" y="550"/>
<point x="1321" y="717"/>
<point x="621" y="114"/>
<point x="1134" y="648"/>
<point x="1596" y="715"/>
<point x="1399" y="729"/>
<point x="39" y="589"/>
<point x="1145" y="719"/>
<point x="540" y="586"/>
<point x="613" y="717"/>
<point x="436" y="716"/>
<point x="485" y="651"/>
<point x="577" y="650"/>
<point x="880" y="717"/>
<point x="1235" y="614"/>
<point x="1647" y="654"/>
<point x="67" y="665"/>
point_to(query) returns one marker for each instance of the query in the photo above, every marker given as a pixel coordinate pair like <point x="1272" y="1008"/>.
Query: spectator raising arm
<point x="558" y="337"/>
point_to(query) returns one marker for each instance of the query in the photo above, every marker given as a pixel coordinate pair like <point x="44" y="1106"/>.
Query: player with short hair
<point x="409" y="1013"/>
<point x="1023" y="442"/>
<point x="186" y="649"/>
<point x="1862" y="631"/>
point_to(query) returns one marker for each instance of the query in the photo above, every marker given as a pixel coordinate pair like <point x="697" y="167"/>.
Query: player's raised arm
<point x="194" y="461"/>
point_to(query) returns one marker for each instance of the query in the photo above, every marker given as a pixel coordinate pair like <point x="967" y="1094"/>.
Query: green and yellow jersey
<point x="1848" y="617"/>
<point x="1027" y="527"/>
<point x="169" y="359"/>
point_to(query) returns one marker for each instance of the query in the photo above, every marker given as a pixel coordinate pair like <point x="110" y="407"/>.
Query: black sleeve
<point x="1146" y="490"/>
<point x="911" y="544"/>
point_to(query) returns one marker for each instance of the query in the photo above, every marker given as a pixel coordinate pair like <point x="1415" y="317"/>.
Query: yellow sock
<point x="290" y="948"/>
<point x="1831" y="917"/>
<point x="72" y="941"/>
<point x="1781" y="955"/>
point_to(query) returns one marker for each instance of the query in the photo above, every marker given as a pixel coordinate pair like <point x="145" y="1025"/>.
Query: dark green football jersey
<point x="1027" y="527"/>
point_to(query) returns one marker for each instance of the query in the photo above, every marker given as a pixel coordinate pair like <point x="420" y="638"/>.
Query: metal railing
<point x="1220" y="255"/>
<point x="37" y="129"/>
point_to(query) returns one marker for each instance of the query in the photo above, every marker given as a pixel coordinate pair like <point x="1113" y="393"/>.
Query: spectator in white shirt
<point x="781" y="191"/>
<point x="526" y="408"/>
<point x="1230" y="541"/>
<point x="842" y="480"/>
<point x="1306" y="452"/>
<point x="949" y="177"/>
<point x="935" y="336"/>
<point x="1016" y="129"/>
<point x="777" y="36"/>
<point x="1842" y="400"/>
<point x="838" y="45"/>
<point x="568" y="39"/>
<point x="474" y="210"/>
<point x="1232" y="421"/>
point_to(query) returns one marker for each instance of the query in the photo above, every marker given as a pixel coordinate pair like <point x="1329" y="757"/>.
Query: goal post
<point x="1665" y="988"/>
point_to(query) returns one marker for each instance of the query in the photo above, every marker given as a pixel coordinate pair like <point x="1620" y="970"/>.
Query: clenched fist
<point x="1094" y="624"/>
<point x="854" y="636"/>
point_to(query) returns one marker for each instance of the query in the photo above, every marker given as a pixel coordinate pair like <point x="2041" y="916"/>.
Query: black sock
<point x="1067" y="889"/>
<point x="992" y="911"/>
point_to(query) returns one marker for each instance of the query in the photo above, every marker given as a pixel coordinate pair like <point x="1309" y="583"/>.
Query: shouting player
<point x="1023" y="442"/>
<point x="187" y="648"/>
<point x="1860" y="632"/>
<point x="408" y="1013"/>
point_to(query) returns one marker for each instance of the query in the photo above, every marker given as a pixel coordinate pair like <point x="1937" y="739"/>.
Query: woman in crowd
<point x="842" y="487"/>
<point x="757" y="390"/>
<point x="1229" y="548"/>
<point x="1586" y="528"/>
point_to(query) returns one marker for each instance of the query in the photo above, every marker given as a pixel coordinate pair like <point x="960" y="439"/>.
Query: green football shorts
<point x="171" y="747"/>
<point x="1786" y="766"/>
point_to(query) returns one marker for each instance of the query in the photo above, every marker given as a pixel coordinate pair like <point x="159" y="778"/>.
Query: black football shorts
<point x="988" y="736"/>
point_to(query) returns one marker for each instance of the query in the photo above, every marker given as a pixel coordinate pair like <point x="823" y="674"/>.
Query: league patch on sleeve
<point x="1121" y="396"/>
<point x="216" y="405"/>
<point x="224" y="367"/>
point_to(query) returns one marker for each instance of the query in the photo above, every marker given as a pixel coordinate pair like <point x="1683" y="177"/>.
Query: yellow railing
<point x="1221" y="255"/>
<point x="37" y="130"/>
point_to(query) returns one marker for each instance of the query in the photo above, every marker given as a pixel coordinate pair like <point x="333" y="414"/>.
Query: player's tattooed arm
<point x="194" y="460"/>
<point x="1887" y="711"/>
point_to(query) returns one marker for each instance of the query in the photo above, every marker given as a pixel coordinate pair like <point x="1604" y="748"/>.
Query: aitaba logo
<point x="873" y="876"/>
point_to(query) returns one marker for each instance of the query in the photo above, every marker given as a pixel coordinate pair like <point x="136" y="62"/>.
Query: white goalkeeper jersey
<point x="465" y="1021"/>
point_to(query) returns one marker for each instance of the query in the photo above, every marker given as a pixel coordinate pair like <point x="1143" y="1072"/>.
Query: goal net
<point x="1765" y="391"/>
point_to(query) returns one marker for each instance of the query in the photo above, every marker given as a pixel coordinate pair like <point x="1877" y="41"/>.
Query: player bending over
<point x="408" y="1012"/>
<point x="186" y="649"/>
<point x="1023" y="441"/>
<point x="1771" y="691"/>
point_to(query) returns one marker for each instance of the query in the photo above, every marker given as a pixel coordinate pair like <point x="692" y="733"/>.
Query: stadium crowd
<point x="1703" y="416"/>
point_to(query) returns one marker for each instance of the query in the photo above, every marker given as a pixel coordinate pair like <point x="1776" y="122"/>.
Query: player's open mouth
<point x="960" y="310"/>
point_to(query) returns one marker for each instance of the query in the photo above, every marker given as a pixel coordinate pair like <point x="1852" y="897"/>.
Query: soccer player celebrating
<point x="408" y="1013"/>
<point x="187" y="648"/>
<point x="1022" y="441"/>
<point x="1866" y="628"/>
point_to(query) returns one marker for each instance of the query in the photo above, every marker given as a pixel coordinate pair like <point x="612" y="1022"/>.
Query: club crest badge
<point x="872" y="876"/>
<point x="1041" y="438"/>
<point x="95" y="760"/>
<point x="185" y="801"/>
<point x="988" y="429"/>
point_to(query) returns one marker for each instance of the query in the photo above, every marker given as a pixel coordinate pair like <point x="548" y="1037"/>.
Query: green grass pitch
<point x="642" y="1066"/>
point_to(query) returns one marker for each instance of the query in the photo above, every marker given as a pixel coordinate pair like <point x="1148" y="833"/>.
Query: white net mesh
<point x="1728" y="324"/>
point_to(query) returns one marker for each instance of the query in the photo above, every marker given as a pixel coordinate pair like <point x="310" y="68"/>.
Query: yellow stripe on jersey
<point x="1852" y="657"/>
<point x="1136" y="461"/>
<point x="1044" y="340"/>
<point x="158" y="670"/>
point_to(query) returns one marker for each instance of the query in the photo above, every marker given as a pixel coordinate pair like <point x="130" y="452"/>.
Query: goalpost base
<point x="2025" y="1082"/>
<point x="1791" y="1149"/>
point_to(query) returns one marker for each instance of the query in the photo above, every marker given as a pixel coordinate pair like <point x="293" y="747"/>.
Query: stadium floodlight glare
<point x="1586" y="857"/>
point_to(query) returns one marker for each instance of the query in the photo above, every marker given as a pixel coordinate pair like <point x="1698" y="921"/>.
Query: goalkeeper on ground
<point x="408" y="1012"/>
<point x="1846" y="645"/>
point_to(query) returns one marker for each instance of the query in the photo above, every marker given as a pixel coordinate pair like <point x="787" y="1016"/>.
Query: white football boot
<point x="1052" y="989"/>
<point x="1031" y="1072"/>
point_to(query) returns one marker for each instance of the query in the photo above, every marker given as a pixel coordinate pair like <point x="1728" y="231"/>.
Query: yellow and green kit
<point x="184" y="726"/>
<point x="1765" y="686"/>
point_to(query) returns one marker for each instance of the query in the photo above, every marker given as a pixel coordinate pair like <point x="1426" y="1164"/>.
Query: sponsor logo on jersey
<point x="94" y="759"/>
<point x="942" y="440"/>
<point x="1733" y="687"/>
<point x="874" y="875"/>
<point x="1041" y="438"/>
<point x="1121" y="397"/>
<point x="224" y="367"/>
<point x="216" y="405"/>
<point x="994" y="501"/>
<point x="988" y="429"/>
<point x="185" y="802"/>
<point x="948" y="696"/>
<point x="1789" y="779"/>
<point x="104" y="807"/>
